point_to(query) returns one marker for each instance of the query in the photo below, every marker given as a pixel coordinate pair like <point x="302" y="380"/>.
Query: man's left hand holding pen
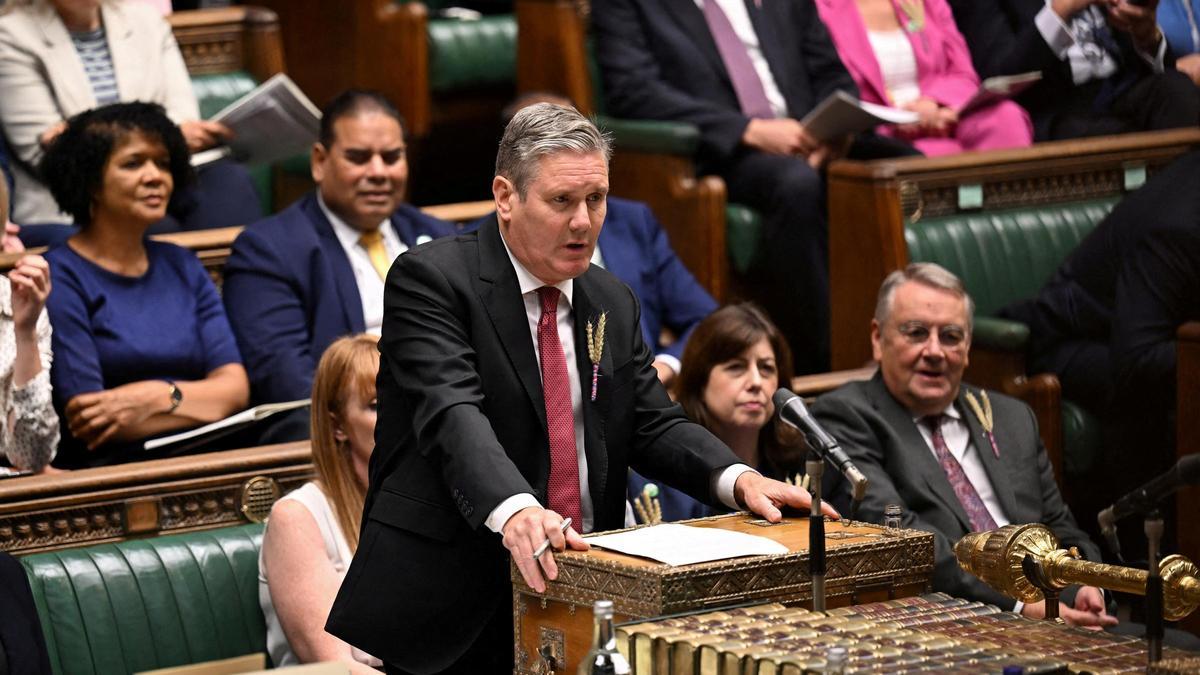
<point x="527" y="531"/>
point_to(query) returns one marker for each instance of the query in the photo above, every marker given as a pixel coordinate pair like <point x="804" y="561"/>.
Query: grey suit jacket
<point x="43" y="82"/>
<point x="880" y="436"/>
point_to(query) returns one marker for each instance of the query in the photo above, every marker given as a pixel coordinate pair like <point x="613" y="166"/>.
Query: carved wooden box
<point x="864" y="563"/>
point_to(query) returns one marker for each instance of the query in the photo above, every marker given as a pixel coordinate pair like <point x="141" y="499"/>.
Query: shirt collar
<point x="529" y="283"/>
<point x="346" y="234"/>
<point x="951" y="411"/>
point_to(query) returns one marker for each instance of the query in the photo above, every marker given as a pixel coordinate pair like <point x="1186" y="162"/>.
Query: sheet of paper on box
<point x="676" y="544"/>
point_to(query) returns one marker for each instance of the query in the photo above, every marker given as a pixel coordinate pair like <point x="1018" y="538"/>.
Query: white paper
<point x="841" y="114"/>
<point x="999" y="88"/>
<point x="676" y="544"/>
<point x="274" y="121"/>
<point x="244" y="417"/>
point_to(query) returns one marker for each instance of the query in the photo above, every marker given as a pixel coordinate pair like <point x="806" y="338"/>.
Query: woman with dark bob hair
<point x="141" y="343"/>
<point x="732" y="365"/>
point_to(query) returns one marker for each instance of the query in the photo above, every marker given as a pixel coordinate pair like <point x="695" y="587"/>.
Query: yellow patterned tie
<point x="372" y="241"/>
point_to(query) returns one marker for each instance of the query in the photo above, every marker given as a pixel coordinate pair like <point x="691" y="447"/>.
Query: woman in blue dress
<point x="141" y="343"/>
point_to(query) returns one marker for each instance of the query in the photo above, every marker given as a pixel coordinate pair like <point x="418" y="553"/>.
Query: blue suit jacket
<point x="290" y="292"/>
<point x="636" y="251"/>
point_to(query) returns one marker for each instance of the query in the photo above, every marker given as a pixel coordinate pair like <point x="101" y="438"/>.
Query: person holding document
<point x="515" y="390"/>
<point x="141" y="343"/>
<point x="909" y="54"/>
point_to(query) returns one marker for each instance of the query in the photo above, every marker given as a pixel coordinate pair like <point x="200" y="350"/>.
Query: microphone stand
<point x="1154" y="587"/>
<point x="814" y="466"/>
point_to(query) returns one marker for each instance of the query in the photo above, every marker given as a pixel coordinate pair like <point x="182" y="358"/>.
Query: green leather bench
<point x="150" y="603"/>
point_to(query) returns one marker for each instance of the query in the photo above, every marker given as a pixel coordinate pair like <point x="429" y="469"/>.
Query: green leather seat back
<point x="213" y="93"/>
<point x="150" y="603"/>
<point x="465" y="54"/>
<point x="1004" y="256"/>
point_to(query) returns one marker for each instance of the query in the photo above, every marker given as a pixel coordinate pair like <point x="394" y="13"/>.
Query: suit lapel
<point x="343" y="274"/>
<point x="64" y="68"/>
<point x="124" y="55"/>
<point x="594" y="412"/>
<point x="917" y="454"/>
<point x="501" y="296"/>
<point x="768" y="40"/>
<point x="993" y="465"/>
<point x="854" y="47"/>
<point x="691" y="18"/>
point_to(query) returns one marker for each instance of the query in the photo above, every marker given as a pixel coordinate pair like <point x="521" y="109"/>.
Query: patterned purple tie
<point x="977" y="513"/>
<point x="562" y="491"/>
<point x="746" y="84"/>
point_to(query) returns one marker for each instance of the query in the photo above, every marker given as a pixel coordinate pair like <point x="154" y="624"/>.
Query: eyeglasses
<point x="917" y="333"/>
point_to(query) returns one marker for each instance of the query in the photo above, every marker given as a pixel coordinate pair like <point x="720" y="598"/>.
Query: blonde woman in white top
<point x="313" y="532"/>
<point x="28" y="424"/>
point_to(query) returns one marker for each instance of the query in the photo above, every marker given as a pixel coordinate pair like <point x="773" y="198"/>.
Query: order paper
<point x="676" y="544"/>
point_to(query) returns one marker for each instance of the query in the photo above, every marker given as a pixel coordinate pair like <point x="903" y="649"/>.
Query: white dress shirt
<point x="1072" y="42"/>
<point x="739" y="18"/>
<point x="370" y="285"/>
<point x="957" y="435"/>
<point x="529" y="284"/>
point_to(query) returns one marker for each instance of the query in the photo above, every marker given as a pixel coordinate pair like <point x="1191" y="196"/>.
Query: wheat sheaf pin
<point x="595" y="347"/>
<point x="984" y="414"/>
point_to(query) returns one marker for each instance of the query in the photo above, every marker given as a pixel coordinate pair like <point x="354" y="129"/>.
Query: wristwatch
<point x="176" y="395"/>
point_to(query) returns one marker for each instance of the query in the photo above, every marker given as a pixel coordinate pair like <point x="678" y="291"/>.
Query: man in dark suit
<point x="1105" y="324"/>
<point x="1105" y="66"/>
<point x="22" y="645"/>
<point x="745" y="84"/>
<point x="955" y="458"/>
<point x="515" y="388"/>
<point x="300" y="279"/>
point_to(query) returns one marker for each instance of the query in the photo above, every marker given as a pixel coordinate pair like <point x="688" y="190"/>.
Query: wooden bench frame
<point x="1187" y="442"/>
<point x="870" y="202"/>
<point x="66" y="509"/>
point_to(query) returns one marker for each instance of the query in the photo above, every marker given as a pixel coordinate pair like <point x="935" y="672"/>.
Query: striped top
<point x="92" y="47"/>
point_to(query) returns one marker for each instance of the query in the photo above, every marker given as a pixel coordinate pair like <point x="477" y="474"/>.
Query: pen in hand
<point x="546" y="544"/>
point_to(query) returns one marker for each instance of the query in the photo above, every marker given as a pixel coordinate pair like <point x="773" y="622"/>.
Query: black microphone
<point x="791" y="409"/>
<point x="1185" y="472"/>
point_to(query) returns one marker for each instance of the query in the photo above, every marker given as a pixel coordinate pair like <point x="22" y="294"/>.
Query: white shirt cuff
<point x="1054" y="31"/>
<point x="500" y="515"/>
<point x="1156" y="60"/>
<point x="670" y="361"/>
<point x="725" y="482"/>
<point x="1018" y="606"/>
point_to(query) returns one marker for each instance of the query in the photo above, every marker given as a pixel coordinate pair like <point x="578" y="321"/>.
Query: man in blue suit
<point x="300" y="279"/>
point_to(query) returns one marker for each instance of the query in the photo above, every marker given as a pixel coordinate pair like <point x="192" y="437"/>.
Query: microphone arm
<point x="1144" y="499"/>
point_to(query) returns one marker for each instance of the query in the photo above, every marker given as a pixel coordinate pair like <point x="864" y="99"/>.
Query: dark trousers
<point x="1168" y="100"/>
<point x="792" y="276"/>
<point x="491" y="653"/>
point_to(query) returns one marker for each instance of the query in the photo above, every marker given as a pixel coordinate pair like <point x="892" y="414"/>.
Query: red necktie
<point x="751" y="95"/>
<point x="563" y="488"/>
<point x="972" y="503"/>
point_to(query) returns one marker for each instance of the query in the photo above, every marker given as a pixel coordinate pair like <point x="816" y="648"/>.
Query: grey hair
<point x="928" y="274"/>
<point x="543" y="129"/>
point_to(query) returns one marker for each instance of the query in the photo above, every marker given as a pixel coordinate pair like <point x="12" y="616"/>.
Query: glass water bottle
<point x="603" y="659"/>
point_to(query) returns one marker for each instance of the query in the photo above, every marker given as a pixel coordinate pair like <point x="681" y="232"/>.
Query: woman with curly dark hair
<point x="141" y="343"/>
<point x="732" y="365"/>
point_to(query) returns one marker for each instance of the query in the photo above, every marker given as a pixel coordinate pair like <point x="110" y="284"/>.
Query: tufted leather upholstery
<point x="472" y="53"/>
<point x="150" y="603"/>
<point x="1004" y="256"/>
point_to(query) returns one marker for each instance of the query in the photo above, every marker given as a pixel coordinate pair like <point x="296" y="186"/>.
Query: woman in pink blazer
<point x="909" y="54"/>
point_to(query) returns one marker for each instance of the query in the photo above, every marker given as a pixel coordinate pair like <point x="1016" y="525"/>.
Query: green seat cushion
<point x="652" y="136"/>
<point x="214" y="92"/>
<point x="743" y="236"/>
<point x="465" y="54"/>
<point x="150" y="603"/>
<point x="1082" y="440"/>
<point x="1004" y="256"/>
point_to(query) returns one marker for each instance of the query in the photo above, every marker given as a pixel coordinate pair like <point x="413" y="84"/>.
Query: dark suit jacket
<point x="290" y="291"/>
<point x="659" y="61"/>
<point x="22" y="645"/>
<point x="880" y="436"/>
<point x="1004" y="40"/>
<point x="1126" y="289"/>
<point x="636" y="250"/>
<point x="462" y="428"/>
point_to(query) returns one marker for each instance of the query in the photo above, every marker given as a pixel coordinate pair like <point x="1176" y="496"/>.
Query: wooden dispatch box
<point x="864" y="563"/>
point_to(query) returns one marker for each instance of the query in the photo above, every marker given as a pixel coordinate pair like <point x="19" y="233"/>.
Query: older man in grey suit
<point x="955" y="458"/>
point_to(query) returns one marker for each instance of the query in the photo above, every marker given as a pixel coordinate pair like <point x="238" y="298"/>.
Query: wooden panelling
<point x="228" y="39"/>
<point x="63" y="509"/>
<point x="1187" y="502"/>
